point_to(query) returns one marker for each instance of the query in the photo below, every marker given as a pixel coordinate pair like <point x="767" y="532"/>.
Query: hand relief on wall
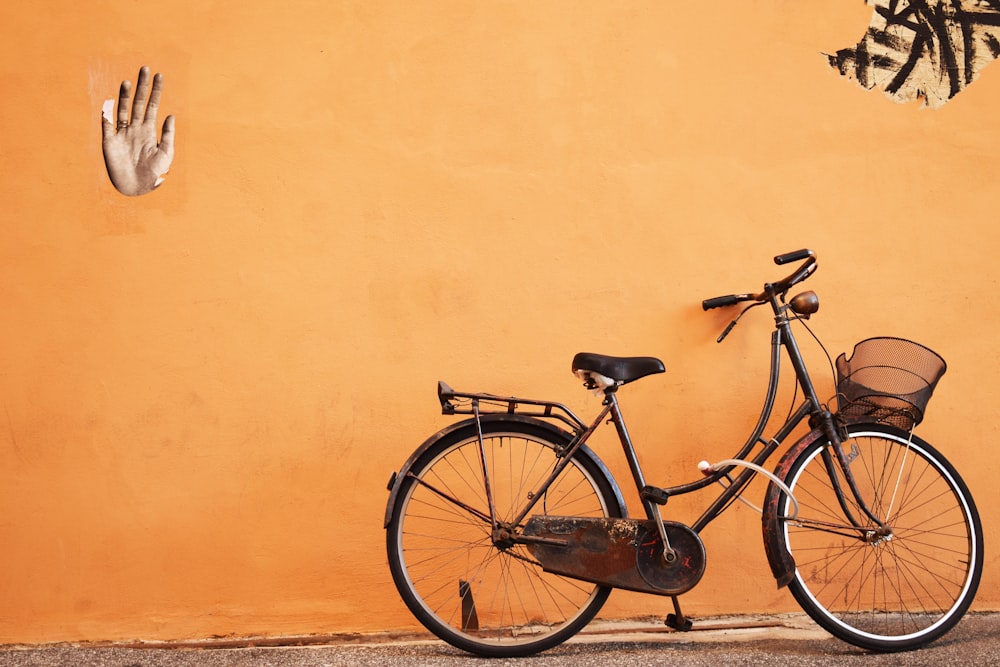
<point x="136" y="162"/>
<point x="923" y="49"/>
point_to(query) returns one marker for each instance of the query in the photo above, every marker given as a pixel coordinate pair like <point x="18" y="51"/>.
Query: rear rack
<point x="460" y="403"/>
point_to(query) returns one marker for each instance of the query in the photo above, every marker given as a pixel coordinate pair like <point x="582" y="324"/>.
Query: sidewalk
<point x="772" y="640"/>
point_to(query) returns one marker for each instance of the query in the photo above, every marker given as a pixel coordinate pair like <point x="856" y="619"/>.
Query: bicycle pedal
<point x="654" y="494"/>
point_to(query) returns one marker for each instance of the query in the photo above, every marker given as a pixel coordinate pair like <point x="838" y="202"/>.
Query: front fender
<point x="558" y="435"/>
<point x="782" y="563"/>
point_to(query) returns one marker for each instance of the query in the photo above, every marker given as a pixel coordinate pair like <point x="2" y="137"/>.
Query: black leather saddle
<point x="619" y="369"/>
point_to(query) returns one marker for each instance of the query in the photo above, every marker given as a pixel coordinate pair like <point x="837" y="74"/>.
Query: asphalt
<point x="777" y="640"/>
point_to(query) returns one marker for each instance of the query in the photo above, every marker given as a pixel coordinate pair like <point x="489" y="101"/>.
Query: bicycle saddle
<point x="618" y="369"/>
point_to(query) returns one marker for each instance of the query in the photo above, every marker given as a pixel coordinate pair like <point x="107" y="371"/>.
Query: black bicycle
<point x="505" y="532"/>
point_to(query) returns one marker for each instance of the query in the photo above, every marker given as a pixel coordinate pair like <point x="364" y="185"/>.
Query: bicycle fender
<point x="558" y="435"/>
<point x="782" y="563"/>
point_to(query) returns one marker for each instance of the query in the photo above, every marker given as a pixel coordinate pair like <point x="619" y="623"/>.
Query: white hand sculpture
<point x="136" y="162"/>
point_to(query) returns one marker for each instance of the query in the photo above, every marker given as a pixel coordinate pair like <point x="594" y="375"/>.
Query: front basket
<point x="888" y="380"/>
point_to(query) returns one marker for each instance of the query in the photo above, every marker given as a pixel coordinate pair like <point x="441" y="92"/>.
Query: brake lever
<point x="725" y="332"/>
<point x="733" y="324"/>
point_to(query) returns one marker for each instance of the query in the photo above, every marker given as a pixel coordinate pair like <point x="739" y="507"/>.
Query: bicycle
<point x="505" y="532"/>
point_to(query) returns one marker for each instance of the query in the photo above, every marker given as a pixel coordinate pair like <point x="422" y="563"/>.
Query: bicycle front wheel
<point x="889" y="588"/>
<point x="475" y="588"/>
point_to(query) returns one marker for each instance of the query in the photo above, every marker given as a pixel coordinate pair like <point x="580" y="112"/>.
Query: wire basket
<point x="888" y="380"/>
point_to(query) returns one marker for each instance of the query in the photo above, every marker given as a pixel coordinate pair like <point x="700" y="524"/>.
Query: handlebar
<point x="804" y="270"/>
<point x="795" y="256"/>
<point x="730" y="300"/>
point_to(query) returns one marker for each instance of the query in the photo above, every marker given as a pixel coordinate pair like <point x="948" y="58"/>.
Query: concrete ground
<point x="775" y="640"/>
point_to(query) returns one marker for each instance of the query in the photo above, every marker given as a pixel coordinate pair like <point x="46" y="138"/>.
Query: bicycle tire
<point x="494" y="601"/>
<point x="888" y="591"/>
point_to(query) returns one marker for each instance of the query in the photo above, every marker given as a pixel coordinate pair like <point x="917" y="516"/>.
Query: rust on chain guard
<point x="621" y="553"/>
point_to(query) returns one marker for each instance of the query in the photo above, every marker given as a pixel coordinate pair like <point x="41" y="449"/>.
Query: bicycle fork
<point x="822" y="419"/>
<point x="840" y="460"/>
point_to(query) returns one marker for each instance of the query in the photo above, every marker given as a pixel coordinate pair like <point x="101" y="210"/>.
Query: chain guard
<point x="621" y="553"/>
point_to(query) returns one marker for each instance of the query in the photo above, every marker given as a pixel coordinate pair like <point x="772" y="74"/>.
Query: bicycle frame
<point x="652" y="497"/>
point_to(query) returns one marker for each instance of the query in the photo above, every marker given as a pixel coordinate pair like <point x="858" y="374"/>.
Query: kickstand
<point x="677" y="620"/>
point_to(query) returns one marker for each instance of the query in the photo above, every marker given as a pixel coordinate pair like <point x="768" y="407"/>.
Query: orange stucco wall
<point x="205" y="388"/>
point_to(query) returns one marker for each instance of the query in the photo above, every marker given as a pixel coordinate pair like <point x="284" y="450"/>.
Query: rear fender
<point x="558" y="436"/>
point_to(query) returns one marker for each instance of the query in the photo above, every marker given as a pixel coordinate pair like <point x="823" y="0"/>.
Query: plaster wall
<point x="206" y="388"/>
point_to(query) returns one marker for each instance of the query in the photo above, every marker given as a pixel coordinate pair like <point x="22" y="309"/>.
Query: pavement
<point x="788" y="639"/>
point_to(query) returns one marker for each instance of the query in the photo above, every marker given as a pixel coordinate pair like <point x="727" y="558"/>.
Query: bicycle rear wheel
<point x="892" y="589"/>
<point x="473" y="590"/>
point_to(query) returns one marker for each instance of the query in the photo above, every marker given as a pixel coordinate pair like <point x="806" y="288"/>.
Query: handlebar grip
<point x="721" y="301"/>
<point x="794" y="256"/>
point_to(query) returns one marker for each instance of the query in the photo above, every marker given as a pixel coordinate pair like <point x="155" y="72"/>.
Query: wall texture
<point x="205" y="388"/>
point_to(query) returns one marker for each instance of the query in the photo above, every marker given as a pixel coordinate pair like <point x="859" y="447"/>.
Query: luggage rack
<point x="461" y="403"/>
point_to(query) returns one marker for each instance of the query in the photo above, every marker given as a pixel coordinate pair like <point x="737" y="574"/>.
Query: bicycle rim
<point x="488" y="599"/>
<point x="884" y="590"/>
